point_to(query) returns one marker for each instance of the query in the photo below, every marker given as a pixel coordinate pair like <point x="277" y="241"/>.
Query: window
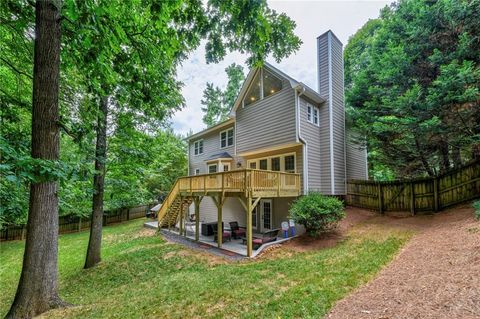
<point x="263" y="85"/>
<point x="226" y="138"/>
<point x="253" y="94"/>
<point x="198" y="147"/>
<point x="197" y="171"/>
<point x="276" y="164"/>
<point x="289" y="163"/>
<point x="281" y="162"/>
<point x="263" y="164"/>
<point x="226" y="167"/>
<point x="212" y="168"/>
<point x="271" y="84"/>
<point x="313" y="114"/>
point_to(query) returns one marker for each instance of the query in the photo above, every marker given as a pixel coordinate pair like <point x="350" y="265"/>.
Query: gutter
<point x="301" y="139"/>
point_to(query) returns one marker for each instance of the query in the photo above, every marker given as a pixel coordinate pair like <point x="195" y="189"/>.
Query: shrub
<point x="318" y="213"/>
<point x="476" y="205"/>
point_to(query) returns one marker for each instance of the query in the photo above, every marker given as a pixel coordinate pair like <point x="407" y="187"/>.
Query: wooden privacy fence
<point x="70" y="223"/>
<point x="417" y="195"/>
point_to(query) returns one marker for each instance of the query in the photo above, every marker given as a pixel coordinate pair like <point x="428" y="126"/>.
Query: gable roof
<point x="309" y="92"/>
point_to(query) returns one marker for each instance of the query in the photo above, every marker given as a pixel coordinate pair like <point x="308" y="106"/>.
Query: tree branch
<point x="15" y="69"/>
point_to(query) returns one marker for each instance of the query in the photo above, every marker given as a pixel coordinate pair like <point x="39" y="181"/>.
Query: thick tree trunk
<point x="37" y="290"/>
<point x="424" y="161"/>
<point x="95" y="242"/>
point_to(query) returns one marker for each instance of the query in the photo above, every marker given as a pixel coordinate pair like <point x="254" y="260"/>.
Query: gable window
<point x="226" y="138"/>
<point x="263" y="85"/>
<point x="212" y="168"/>
<point x="313" y="114"/>
<point x="253" y="93"/>
<point x="271" y="84"/>
<point x="198" y="147"/>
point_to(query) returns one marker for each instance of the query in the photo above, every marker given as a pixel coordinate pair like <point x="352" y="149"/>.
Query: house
<point x="283" y="139"/>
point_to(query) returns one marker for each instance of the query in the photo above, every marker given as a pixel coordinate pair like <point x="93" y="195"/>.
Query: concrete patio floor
<point x="233" y="246"/>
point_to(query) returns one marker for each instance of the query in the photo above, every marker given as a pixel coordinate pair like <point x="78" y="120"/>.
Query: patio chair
<point x="225" y="237"/>
<point x="264" y="238"/>
<point x="237" y="231"/>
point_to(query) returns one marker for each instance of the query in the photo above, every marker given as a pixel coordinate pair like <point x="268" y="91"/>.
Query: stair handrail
<point x="168" y="200"/>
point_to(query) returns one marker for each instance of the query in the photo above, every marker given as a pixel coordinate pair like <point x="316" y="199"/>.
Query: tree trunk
<point x="95" y="242"/>
<point x="37" y="290"/>
<point x="445" y="163"/>
<point x="456" y="156"/>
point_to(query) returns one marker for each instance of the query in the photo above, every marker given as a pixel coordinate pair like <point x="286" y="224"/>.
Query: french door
<point x="266" y="214"/>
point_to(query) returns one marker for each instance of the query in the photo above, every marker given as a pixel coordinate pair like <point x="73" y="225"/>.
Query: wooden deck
<point x="248" y="185"/>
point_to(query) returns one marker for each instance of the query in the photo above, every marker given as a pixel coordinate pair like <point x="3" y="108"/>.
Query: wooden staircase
<point x="173" y="205"/>
<point x="178" y="206"/>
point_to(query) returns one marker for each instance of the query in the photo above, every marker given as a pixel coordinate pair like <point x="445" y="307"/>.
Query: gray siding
<point x="311" y="134"/>
<point x="332" y="140"/>
<point x="268" y="122"/>
<point x="211" y="146"/>
<point x="356" y="157"/>
<point x="232" y="211"/>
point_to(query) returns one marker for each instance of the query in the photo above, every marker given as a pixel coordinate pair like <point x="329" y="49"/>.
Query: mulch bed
<point x="436" y="275"/>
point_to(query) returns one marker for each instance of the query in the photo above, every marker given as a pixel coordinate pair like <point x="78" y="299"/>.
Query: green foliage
<point x="413" y="86"/>
<point x="317" y="212"/>
<point x="313" y="281"/>
<point x="476" y="205"/>
<point x="218" y="103"/>
<point x="127" y="51"/>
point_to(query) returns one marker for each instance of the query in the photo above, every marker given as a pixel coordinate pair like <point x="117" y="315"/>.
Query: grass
<point x="143" y="276"/>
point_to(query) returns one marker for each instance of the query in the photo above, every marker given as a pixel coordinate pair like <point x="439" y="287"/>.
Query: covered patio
<point x="237" y="246"/>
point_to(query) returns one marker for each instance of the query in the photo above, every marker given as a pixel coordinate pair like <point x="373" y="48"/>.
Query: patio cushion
<point x="257" y="241"/>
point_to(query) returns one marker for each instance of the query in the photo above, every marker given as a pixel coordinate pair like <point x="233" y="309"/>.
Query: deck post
<point x="197" y="201"/>
<point x="249" y="225"/>
<point x="219" y="203"/>
<point x="180" y="226"/>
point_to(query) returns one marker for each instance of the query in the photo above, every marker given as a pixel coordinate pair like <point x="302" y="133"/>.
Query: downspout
<point x="301" y="139"/>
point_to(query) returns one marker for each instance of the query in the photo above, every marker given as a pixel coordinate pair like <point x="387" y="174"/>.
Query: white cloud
<point x="313" y="18"/>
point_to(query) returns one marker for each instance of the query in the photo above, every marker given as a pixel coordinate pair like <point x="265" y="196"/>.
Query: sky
<point x="313" y="18"/>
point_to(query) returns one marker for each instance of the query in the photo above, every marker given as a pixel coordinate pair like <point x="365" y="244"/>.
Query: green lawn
<point x="143" y="276"/>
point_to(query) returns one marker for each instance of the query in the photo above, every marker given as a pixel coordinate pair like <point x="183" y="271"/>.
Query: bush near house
<point x="317" y="212"/>
<point x="476" y="205"/>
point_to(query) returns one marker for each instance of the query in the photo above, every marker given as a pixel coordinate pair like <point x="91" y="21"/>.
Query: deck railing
<point x="259" y="182"/>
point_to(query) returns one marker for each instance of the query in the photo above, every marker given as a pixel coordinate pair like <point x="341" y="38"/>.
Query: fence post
<point x="380" y="198"/>
<point x="412" y="198"/>
<point x="23" y="232"/>
<point x="80" y="223"/>
<point x="128" y="213"/>
<point x="436" y="202"/>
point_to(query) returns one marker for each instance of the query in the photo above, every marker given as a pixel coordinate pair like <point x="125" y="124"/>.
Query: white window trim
<point x="269" y="162"/>
<point x="262" y="93"/>
<point x="226" y="136"/>
<point x="194" y="147"/>
<point x="208" y="168"/>
<point x="311" y="115"/>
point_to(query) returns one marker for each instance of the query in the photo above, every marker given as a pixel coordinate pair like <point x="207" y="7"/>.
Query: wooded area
<point x="417" y="195"/>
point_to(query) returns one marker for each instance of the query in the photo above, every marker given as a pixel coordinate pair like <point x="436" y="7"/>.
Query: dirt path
<point x="436" y="275"/>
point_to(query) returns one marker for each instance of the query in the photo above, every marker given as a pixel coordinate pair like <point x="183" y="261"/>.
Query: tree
<point x="130" y="52"/>
<point x="37" y="290"/>
<point x="413" y="86"/>
<point x="218" y="103"/>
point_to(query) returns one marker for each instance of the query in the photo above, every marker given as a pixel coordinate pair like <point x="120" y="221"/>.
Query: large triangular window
<point x="263" y="85"/>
